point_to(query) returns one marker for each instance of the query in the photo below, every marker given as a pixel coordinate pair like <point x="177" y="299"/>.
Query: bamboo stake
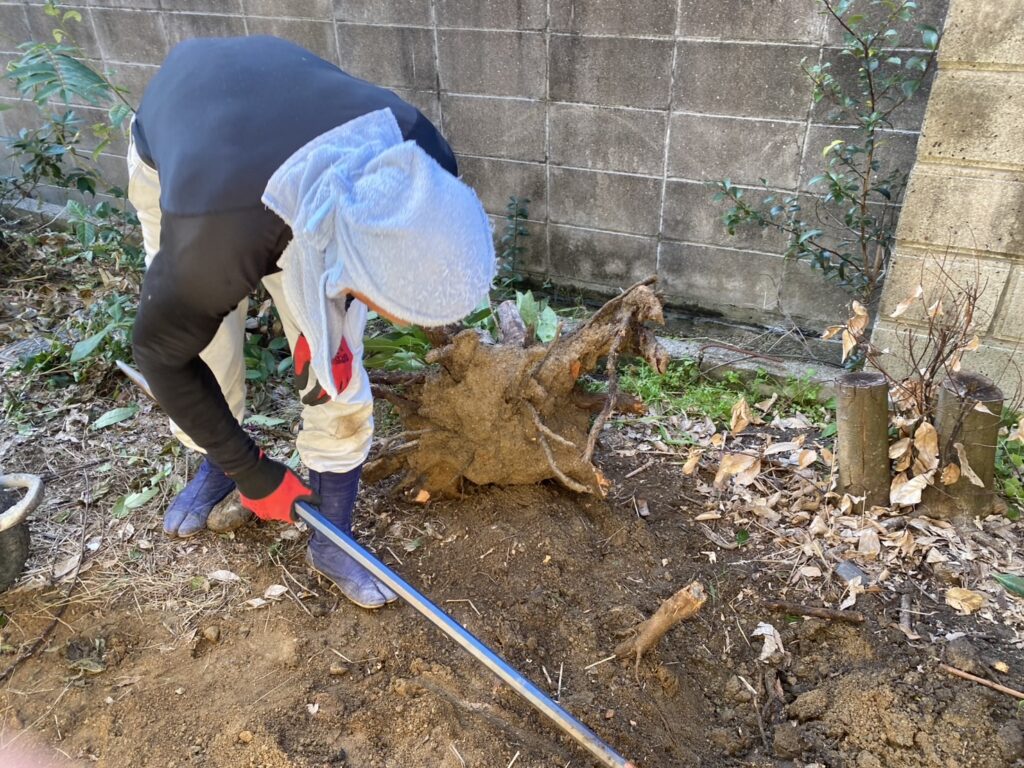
<point x="863" y="445"/>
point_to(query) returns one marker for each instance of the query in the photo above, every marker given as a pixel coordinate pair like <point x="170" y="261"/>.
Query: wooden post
<point x="958" y="420"/>
<point x="863" y="445"/>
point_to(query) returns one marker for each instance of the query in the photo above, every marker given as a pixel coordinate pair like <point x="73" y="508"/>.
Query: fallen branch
<point x="683" y="605"/>
<point x="981" y="681"/>
<point x="854" y="617"/>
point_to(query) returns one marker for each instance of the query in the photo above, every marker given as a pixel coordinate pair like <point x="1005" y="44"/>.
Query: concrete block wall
<point x="610" y="116"/>
<point x="963" y="214"/>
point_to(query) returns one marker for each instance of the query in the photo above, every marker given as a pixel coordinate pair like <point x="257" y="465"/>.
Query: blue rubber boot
<point x="337" y="492"/>
<point x="188" y="512"/>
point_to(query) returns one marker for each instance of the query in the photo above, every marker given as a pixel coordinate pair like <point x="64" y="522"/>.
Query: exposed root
<point x="684" y="604"/>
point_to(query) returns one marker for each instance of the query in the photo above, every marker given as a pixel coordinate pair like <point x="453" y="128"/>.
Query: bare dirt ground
<point x="156" y="663"/>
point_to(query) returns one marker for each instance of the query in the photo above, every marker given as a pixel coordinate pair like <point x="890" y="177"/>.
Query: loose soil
<point x="552" y="582"/>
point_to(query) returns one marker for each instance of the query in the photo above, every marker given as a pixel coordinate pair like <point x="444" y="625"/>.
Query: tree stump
<point x="863" y="439"/>
<point x="512" y="414"/>
<point x="967" y="419"/>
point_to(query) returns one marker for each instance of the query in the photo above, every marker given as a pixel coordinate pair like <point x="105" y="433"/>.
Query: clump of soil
<point x="553" y="582"/>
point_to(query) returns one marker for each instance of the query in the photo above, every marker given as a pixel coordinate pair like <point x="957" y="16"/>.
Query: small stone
<point x="848" y="571"/>
<point x="962" y="655"/>
<point x="337" y="670"/>
<point x="809" y="706"/>
<point x="212" y="633"/>
<point x="178" y="691"/>
<point x="868" y="760"/>
<point x="245" y="737"/>
<point x="787" y="743"/>
<point x="609" y="714"/>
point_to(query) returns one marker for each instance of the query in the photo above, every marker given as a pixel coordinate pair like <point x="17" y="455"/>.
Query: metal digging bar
<point x="566" y="722"/>
<point x="583" y="735"/>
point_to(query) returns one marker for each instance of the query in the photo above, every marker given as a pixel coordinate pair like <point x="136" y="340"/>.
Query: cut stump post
<point x="959" y="419"/>
<point x="863" y="445"/>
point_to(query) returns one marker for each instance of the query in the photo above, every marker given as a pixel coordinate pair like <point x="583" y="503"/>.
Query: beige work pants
<point x="334" y="437"/>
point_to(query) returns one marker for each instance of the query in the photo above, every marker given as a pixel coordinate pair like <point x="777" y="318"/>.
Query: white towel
<point x="374" y="214"/>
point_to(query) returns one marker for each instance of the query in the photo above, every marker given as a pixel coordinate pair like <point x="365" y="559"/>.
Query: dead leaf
<point x="717" y="440"/>
<point x="935" y="309"/>
<point x="950" y="474"/>
<point x="926" y="443"/>
<point x="908" y="302"/>
<point x="765" y="405"/>
<point x="786" y="447"/>
<point x="831" y="331"/>
<point x="275" y="592"/>
<point x="935" y="556"/>
<point x="66" y="566"/>
<point x="772" y="640"/>
<point x="223" y="576"/>
<point x="1017" y="433"/>
<point x="983" y="409"/>
<point x="827" y="456"/>
<point x="849" y="344"/>
<point x="806" y="457"/>
<point x="973" y="344"/>
<point x="908" y="493"/>
<point x="810" y="571"/>
<point x="899" y="449"/>
<point x="965" y="467"/>
<point x="708" y="516"/>
<point x="741" y="416"/>
<point x="256" y="602"/>
<point x="422" y="496"/>
<point x="749" y="475"/>
<point x="859" y="321"/>
<point x="692" y="461"/>
<point x="964" y="600"/>
<point x="733" y="464"/>
<point x="869" y="546"/>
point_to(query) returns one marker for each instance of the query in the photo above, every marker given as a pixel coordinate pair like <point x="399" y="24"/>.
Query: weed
<point x="1010" y="464"/>
<point x="511" y="241"/>
<point x="684" y="389"/>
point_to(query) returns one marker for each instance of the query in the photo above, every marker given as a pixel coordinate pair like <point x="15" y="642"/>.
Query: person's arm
<point x="206" y="265"/>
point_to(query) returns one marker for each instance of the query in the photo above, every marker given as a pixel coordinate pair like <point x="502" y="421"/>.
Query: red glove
<point x="270" y="490"/>
<point x="341" y="370"/>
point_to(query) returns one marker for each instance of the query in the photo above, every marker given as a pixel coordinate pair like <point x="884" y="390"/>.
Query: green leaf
<point x="258" y="420"/>
<point x="115" y="416"/>
<point x="528" y="308"/>
<point x="1010" y="582"/>
<point x="547" y="325"/>
<point x="742" y="536"/>
<point x="831" y="146"/>
<point x="86" y="347"/>
<point x="930" y="37"/>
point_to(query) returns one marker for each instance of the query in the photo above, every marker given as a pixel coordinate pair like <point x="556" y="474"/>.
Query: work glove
<point x="341" y="370"/>
<point x="271" y="490"/>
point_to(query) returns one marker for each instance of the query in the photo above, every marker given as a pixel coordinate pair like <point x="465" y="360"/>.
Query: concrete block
<point x="425" y="101"/>
<point x="609" y="139"/>
<point x="136" y="4"/>
<point x="42" y="27"/>
<point x="1009" y="319"/>
<point x="14" y="28"/>
<point x="520" y="15"/>
<point x="974" y="119"/>
<point x="601" y="260"/>
<point x="130" y="36"/>
<point x="949" y="208"/>
<point x="315" y="36"/>
<point x="1000" y="361"/>
<point x="794" y="21"/>
<point x="533" y="260"/>
<point x="984" y="32"/>
<point x="930" y="12"/>
<point x="742" y="79"/>
<point x="622" y="72"/>
<point x="613" y="17"/>
<point x="203" y="6"/>
<point x="414" y="13"/>
<point x="630" y="204"/>
<point x="495" y="181"/>
<point x="940" y="273"/>
<point x="320" y="10"/>
<point x="113" y="170"/>
<point x="692" y="215"/>
<point x="389" y="56"/>
<point x="134" y="77"/>
<point x="907" y="117"/>
<point x="511" y="128"/>
<point x="492" y="63"/>
<point x="743" y="151"/>
<point x="893" y="151"/>
<point x="747" y="287"/>
<point x="185" y="26"/>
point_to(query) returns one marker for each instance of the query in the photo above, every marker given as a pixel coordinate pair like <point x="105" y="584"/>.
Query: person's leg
<point x="333" y="443"/>
<point x="188" y="512"/>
